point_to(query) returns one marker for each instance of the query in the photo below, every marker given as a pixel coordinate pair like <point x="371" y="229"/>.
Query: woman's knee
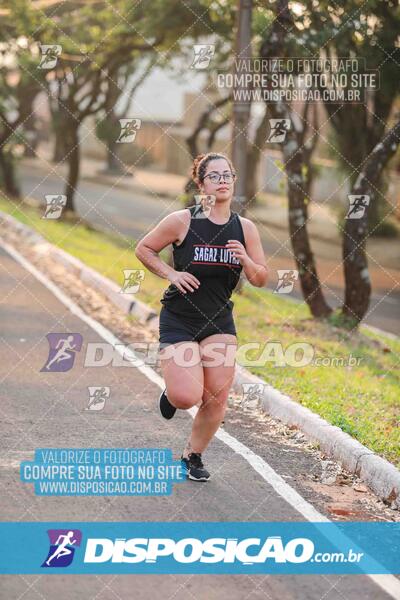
<point x="215" y="402"/>
<point x="183" y="399"/>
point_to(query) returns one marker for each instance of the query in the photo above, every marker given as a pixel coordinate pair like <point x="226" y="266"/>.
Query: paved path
<point x="47" y="410"/>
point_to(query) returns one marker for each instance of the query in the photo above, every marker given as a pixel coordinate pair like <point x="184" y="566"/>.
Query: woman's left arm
<point x="252" y="256"/>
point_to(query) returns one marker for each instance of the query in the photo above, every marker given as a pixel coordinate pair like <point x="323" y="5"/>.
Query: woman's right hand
<point x="183" y="280"/>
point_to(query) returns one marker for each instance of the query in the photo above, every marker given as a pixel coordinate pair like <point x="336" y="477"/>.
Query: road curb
<point x="128" y="303"/>
<point x="379" y="474"/>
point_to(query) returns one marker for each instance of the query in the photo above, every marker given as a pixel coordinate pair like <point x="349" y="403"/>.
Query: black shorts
<point x="174" y="328"/>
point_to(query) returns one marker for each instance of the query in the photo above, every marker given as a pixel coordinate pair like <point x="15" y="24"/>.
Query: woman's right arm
<point x="167" y="231"/>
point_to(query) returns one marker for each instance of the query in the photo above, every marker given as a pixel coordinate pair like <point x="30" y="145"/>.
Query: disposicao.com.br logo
<point x="153" y="547"/>
<point x="247" y="551"/>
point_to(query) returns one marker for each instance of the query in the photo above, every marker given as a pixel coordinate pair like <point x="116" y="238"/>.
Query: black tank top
<point x="203" y="254"/>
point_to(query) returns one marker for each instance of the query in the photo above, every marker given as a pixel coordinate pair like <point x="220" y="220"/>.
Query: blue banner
<point x="200" y="548"/>
<point x="103" y="472"/>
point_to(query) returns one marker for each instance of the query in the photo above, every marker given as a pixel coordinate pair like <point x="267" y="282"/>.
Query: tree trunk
<point x="253" y="159"/>
<point x="61" y="122"/>
<point x="298" y="215"/>
<point x="377" y="210"/>
<point x="73" y="167"/>
<point x="59" y="148"/>
<point x="355" y="264"/>
<point x="241" y="105"/>
<point x="113" y="164"/>
<point x="296" y="156"/>
<point x="8" y="175"/>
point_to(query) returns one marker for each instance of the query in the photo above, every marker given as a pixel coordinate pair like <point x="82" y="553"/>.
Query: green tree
<point x="366" y="127"/>
<point x="18" y="89"/>
<point x="96" y="41"/>
<point x="369" y="32"/>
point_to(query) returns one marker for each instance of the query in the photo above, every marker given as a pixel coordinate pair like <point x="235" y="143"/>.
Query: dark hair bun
<point x="195" y="166"/>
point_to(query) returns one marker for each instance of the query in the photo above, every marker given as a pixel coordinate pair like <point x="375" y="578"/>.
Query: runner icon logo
<point x="62" y="547"/>
<point x="62" y="351"/>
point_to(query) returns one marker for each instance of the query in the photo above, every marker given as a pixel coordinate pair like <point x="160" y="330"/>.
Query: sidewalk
<point x="273" y="211"/>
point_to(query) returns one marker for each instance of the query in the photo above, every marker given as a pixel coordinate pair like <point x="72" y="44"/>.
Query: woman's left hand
<point x="238" y="250"/>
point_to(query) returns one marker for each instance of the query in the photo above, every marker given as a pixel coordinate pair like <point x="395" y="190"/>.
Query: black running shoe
<point x="185" y="464"/>
<point x="166" y="408"/>
<point x="194" y="467"/>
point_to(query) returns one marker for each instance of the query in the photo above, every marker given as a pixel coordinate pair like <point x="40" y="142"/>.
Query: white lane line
<point x="13" y="461"/>
<point x="388" y="583"/>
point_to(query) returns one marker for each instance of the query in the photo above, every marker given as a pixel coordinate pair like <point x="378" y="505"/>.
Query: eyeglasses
<point x="216" y="177"/>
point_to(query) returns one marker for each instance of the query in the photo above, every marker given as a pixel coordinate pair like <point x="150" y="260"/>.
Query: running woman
<point x="209" y="255"/>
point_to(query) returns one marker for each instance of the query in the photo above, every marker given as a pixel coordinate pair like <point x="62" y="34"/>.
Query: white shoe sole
<point x="198" y="478"/>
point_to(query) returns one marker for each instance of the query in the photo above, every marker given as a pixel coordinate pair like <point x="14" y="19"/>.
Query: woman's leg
<point x="183" y="373"/>
<point x="217" y="382"/>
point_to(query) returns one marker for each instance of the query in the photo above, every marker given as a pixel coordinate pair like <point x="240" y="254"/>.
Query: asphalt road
<point x="132" y="215"/>
<point x="47" y="410"/>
